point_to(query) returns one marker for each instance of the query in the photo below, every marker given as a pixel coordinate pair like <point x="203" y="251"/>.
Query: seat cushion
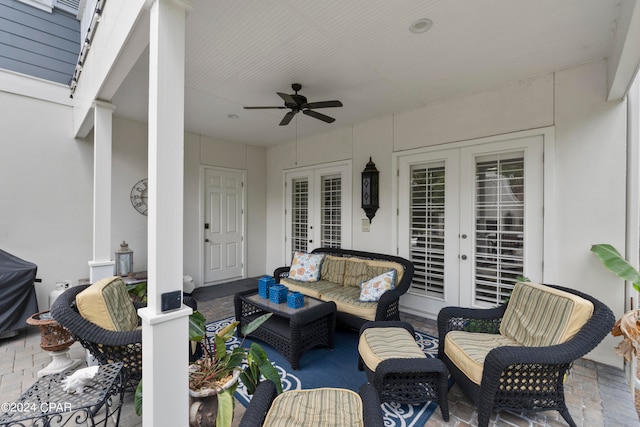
<point x="310" y="289"/>
<point x="346" y="299"/>
<point x="538" y="315"/>
<point x="378" y="344"/>
<point x="320" y="407"/>
<point x="107" y="304"/>
<point x="467" y="350"/>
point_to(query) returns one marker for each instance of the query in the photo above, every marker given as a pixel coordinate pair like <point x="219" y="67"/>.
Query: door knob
<point x="463" y="257"/>
<point x="206" y="240"/>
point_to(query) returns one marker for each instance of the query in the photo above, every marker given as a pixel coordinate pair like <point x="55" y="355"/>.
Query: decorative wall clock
<point x="139" y="196"/>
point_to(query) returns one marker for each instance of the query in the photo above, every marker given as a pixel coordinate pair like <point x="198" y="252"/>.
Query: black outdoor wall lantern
<point x="370" y="178"/>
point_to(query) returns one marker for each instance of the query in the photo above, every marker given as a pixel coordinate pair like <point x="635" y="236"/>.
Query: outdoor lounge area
<point x="186" y="144"/>
<point x="597" y="395"/>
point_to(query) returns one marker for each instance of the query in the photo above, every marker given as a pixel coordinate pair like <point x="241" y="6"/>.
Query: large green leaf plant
<point x="628" y="326"/>
<point x="218" y="365"/>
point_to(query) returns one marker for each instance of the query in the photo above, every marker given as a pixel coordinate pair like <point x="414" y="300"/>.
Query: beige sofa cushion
<point x="385" y="266"/>
<point x="355" y="272"/>
<point x="310" y="289"/>
<point x="539" y="315"/>
<point x="107" y="304"/>
<point x="346" y="299"/>
<point x="333" y="269"/>
<point x="359" y="270"/>
<point x="467" y="350"/>
<point x="319" y="407"/>
<point x="378" y="344"/>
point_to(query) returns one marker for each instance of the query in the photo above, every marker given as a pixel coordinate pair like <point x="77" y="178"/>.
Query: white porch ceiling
<point x="240" y="53"/>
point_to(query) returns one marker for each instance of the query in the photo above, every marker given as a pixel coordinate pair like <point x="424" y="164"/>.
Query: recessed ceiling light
<point x="232" y="116"/>
<point x="420" y="26"/>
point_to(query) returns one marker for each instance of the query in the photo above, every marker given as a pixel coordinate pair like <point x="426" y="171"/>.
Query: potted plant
<point x="214" y="377"/>
<point x="628" y="326"/>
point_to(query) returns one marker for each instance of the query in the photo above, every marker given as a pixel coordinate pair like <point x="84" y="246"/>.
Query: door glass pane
<point x="331" y="211"/>
<point x="427" y="205"/>
<point x="299" y="214"/>
<point x="499" y="208"/>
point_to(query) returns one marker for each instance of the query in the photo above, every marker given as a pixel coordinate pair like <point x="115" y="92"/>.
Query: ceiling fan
<point x="297" y="103"/>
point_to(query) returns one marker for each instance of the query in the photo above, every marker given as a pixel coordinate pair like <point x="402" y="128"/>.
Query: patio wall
<point x="46" y="180"/>
<point x="46" y="187"/>
<point x="590" y="169"/>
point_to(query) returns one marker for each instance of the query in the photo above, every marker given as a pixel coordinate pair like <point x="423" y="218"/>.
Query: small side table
<point x="56" y="340"/>
<point x="45" y="402"/>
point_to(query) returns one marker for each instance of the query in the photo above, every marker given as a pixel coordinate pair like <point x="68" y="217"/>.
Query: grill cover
<point x="17" y="293"/>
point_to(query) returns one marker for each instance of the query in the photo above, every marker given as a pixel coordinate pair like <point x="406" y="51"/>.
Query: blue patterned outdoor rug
<point x="337" y="367"/>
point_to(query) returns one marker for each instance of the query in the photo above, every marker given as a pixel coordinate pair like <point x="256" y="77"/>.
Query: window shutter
<point x="299" y="214"/>
<point x="427" y="204"/>
<point x="499" y="208"/>
<point x="331" y="218"/>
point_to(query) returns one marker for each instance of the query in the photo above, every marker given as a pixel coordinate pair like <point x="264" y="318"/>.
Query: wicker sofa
<point x="344" y="288"/>
<point x="515" y="356"/>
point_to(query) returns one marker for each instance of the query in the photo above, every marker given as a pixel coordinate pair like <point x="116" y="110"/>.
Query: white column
<point x="102" y="265"/>
<point x="165" y="335"/>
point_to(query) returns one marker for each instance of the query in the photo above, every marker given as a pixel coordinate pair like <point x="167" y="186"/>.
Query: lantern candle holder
<point x="124" y="260"/>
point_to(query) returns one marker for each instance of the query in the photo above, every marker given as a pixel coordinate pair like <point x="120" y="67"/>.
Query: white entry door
<point x="224" y="225"/>
<point x="471" y="221"/>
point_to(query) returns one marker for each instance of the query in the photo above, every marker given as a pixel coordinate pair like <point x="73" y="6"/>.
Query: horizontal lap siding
<point x="38" y="43"/>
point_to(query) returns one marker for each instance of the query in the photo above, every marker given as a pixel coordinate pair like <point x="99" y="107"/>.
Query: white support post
<point x="165" y="334"/>
<point x="101" y="265"/>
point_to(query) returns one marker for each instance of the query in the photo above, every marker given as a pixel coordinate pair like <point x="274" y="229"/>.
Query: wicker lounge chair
<point x="267" y="408"/>
<point x="105" y="345"/>
<point x="521" y="378"/>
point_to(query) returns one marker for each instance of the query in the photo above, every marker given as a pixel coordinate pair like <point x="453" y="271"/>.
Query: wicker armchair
<point x="263" y="398"/>
<point x="388" y="307"/>
<point x="521" y="378"/>
<point x="105" y="345"/>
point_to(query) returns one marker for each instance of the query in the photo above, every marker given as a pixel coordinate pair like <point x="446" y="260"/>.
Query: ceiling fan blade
<point x="319" y="116"/>
<point x="287" y="118"/>
<point x="263" y="108"/>
<point x="322" y="104"/>
<point x="288" y="99"/>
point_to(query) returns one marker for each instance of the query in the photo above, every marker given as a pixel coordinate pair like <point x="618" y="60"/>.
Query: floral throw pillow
<point x="372" y="289"/>
<point x="306" y="267"/>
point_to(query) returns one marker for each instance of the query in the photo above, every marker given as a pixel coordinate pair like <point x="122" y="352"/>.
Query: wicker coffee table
<point x="292" y="332"/>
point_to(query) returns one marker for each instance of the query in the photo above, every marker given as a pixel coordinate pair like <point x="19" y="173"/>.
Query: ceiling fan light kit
<point x="297" y="103"/>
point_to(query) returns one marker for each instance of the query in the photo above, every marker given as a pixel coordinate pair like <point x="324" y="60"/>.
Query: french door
<point x="470" y="219"/>
<point x="317" y="208"/>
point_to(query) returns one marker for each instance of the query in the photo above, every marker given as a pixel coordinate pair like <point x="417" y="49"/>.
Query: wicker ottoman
<point x="397" y="367"/>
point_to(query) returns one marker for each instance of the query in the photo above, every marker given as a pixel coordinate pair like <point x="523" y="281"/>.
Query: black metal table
<point x="46" y="403"/>
<point x="291" y="331"/>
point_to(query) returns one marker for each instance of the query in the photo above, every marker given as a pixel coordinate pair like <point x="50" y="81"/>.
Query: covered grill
<point x="17" y="293"/>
